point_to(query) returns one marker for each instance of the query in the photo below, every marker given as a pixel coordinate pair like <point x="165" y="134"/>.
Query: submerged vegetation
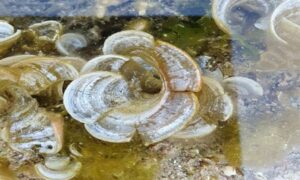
<point x="53" y="74"/>
<point x="145" y="97"/>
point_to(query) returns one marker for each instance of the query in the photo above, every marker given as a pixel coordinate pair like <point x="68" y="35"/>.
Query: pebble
<point x="229" y="171"/>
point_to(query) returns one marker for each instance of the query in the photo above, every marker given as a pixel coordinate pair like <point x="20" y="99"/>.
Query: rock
<point x="229" y="171"/>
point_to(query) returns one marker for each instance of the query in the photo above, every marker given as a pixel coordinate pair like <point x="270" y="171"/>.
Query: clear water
<point x="261" y="140"/>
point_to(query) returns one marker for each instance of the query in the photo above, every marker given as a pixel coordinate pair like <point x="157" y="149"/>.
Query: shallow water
<point x="261" y="139"/>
